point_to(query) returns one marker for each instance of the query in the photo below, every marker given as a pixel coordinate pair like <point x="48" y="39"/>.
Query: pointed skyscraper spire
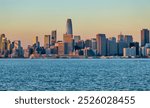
<point x="69" y="27"/>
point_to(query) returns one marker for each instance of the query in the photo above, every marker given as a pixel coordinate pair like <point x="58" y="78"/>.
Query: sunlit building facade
<point x="47" y="41"/>
<point x="101" y="44"/>
<point x="53" y="37"/>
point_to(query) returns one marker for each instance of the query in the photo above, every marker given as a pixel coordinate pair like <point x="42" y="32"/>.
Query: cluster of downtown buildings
<point x="73" y="46"/>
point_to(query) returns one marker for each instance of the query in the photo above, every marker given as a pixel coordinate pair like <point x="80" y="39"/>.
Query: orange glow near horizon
<point x="25" y="19"/>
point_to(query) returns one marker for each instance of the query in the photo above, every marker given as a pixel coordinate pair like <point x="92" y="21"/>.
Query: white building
<point x="94" y="43"/>
<point x="148" y="52"/>
<point x="145" y="51"/>
<point x="129" y="52"/>
<point x="17" y="49"/>
<point x="77" y="39"/>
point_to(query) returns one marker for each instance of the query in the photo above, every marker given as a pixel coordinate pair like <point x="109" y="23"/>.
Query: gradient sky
<point x="24" y="19"/>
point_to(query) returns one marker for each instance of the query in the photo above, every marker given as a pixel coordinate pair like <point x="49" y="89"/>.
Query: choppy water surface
<point x="74" y="75"/>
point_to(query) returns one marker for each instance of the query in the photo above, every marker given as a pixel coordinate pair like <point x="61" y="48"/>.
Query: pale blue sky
<point x="23" y="19"/>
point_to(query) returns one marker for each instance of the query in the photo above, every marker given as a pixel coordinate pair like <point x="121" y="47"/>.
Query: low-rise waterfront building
<point x="129" y="52"/>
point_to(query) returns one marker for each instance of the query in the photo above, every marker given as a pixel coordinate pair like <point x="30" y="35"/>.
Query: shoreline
<point x="81" y="58"/>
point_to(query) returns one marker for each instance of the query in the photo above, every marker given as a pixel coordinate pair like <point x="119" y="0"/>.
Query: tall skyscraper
<point x="101" y="44"/>
<point x="53" y="37"/>
<point x="69" y="27"/>
<point x="9" y="45"/>
<point x="1" y="38"/>
<point x="112" y="47"/>
<point x="121" y="38"/>
<point x="94" y="43"/>
<point x="47" y="41"/>
<point x="68" y="38"/>
<point x="36" y="42"/>
<point x="4" y="44"/>
<point x="35" y="39"/>
<point x="128" y="39"/>
<point x="121" y="44"/>
<point x="145" y="37"/>
<point x="68" y="43"/>
<point x="17" y="49"/>
<point x="88" y="43"/>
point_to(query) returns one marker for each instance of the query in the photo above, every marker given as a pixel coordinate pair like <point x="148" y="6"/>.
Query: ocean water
<point x="75" y="75"/>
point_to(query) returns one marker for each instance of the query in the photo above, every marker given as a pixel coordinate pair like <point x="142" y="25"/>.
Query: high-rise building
<point x="53" y="37"/>
<point x="145" y="37"/>
<point x="88" y="43"/>
<point x="9" y="46"/>
<point x="136" y="45"/>
<point x="69" y="27"/>
<point x="17" y="49"/>
<point x="68" y="43"/>
<point x="101" y="44"/>
<point x="80" y="44"/>
<point x="68" y="38"/>
<point x="77" y="39"/>
<point x="4" y="44"/>
<point x="128" y="39"/>
<point x="121" y="38"/>
<point x="112" y="47"/>
<point x="36" y="42"/>
<point x="121" y="44"/>
<point x="1" y="38"/>
<point x="61" y="48"/>
<point x="17" y="44"/>
<point x="94" y="43"/>
<point x="47" y="41"/>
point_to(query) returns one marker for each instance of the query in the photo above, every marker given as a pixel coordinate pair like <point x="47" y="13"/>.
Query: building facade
<point x="69" y="27"/>
<point x="47" y="41"/>
<point x="53" y="38"/>
<point x="101" y="44"/>
<point x="145" y="37"/>
<point x="111" y="47"/>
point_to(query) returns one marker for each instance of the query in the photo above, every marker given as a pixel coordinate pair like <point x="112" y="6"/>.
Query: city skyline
<point x="24" y="20"/>
<point x="52" y="37"/>
<point x="74" y="46"/>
